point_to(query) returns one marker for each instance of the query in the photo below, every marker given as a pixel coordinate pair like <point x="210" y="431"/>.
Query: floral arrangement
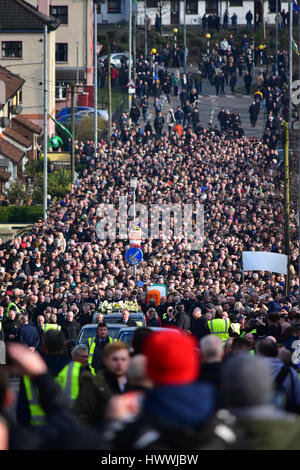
<point x="110" y="307"/>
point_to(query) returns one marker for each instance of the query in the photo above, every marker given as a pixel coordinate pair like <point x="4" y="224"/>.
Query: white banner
<point x="264" y="261"/>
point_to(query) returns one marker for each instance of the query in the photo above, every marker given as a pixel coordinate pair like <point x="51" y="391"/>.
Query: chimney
<point x="44" y="6"/>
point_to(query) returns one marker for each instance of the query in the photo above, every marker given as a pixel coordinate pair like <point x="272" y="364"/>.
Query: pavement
<point x="210" y="104"/>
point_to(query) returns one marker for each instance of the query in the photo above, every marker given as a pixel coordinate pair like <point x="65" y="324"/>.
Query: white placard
<point x="264" y="261"/>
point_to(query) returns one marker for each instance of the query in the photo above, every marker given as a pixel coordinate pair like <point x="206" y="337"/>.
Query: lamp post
<point x="208" y="36"/>
<point x="276" y="39"/>
<point x="175" y="31"/>
<point x="153" y="52"/>
<point x="133" y="185"/>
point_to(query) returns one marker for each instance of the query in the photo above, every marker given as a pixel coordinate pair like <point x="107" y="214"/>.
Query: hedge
<point x="20" y="214"/>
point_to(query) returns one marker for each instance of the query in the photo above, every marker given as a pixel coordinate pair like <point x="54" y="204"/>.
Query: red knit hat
<point x="172" y="357"/>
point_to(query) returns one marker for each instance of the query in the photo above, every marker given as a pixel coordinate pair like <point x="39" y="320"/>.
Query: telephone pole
<point x="45" y="200"/>
<point x="287" y="205"/>
<point x="73" y="133"/>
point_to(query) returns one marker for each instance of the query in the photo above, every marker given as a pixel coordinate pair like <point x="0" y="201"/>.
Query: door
<point x="174" y="11"/>
<point x="211" y="6"/>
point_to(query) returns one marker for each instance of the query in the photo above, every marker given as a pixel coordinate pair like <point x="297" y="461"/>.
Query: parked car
<point x="115" y="59"/>
<point x="89" y="331"/>
<point x="65" y="111"/>
<point x="116" y="317"/>
<point x="90" y="113"/>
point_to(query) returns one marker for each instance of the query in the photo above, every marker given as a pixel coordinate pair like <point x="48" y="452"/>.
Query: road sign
<point x="131" y="83"/>
<point x="134" y="255"/>
<point x="135" y="235"/>
<point x="131" y="90"/>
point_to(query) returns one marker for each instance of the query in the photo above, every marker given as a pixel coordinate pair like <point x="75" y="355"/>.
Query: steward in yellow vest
<point x="219" y="327"/>
<point x="96" y="346"/>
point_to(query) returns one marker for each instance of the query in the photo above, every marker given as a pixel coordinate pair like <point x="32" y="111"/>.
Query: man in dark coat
<point x="182" y="319"/>
<point x="198" y="324"/>
<point x="126" y="318"/>
<point x="28" y="334"/>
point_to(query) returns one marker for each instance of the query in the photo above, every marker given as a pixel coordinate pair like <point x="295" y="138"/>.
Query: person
<point x="28" y="333"/>
<point x="253" y="113"/>
<point x="70" y="327"/>
<point x="61" y="430"/>
<point x="247" y="81"/>
<point x="96" y="347"/>
<point x="96" y="390"/>
<point x="157" y="23"/>
<point x="126" y="320"/>
<point x="52" y="324"/>
<point x="69" y="377"/>
<point x="249" y="18"/>
<point x="181" y="318"/>
<point x="285" y="378"/>
<point x="171" y="120"/>
<point x="233" y="82"/>
<point x="198" y="324"/>
<point x="247" y="392"/>
<point x="219" y="326"/>
<point x="234" y="20"/>
<point x="11" y="326"/>
<point x="225" y="19"/>
<point x="171" y="418"/>
<point x="28" y="408"/>
<point x="55" y="143"/>
<point x="212" y="354"/>
<point x="159" y="124"/>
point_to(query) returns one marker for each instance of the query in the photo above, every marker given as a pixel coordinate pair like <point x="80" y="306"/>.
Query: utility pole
<point x="145" y="31"/>
<point x="276" y="40"/>
<point x="134" y="45"/>
<point x="290" y="63"/>
<point x="287" y="205"/>
<point x="184" y="35"/>
<point x="73" y="133"/>
<point x="109" y="97"/>
<point x="95" y="82"/>
<point x="263" y="18"/>
<point x="299" y="169"/>
<point x="45" y="200"/>
<point x="130" y="52"/>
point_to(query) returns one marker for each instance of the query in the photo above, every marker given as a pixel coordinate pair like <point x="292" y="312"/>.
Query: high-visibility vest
<point x="92" y="345"/>
<point x="10" y="305"/>
<point x="51" y="326"/>
<point x="68" y="379"/>
<point x="37" y="414"/>
<point x="219" y="327"/>
<point x="252" y="352"/>
<point x="236" y="328"/>
<point x="253" y="332"/>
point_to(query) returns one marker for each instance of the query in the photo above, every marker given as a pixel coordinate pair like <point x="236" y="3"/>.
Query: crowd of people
<point x="229" y="337"/>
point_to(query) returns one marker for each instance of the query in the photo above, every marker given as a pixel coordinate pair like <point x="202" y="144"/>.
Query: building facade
<point x="22" y="51"/>
<point x="172" y="11"/>
<point x="73" y="43"/>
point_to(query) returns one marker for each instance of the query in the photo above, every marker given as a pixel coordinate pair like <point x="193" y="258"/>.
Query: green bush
<point x="20" y="214"/>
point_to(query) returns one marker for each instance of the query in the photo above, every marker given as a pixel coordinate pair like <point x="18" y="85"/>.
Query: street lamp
<point x="208" y="36"/>
<point x="153" y="52"/>
<point x="175" y="31"/>
<point x="261" y="48"/>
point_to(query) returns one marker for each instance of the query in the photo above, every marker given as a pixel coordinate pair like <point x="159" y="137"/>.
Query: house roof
<point x="22" y="121"/>
<point x="19" y="138"/>
<point x="10" y="151"/>
<point x="12" y="83"/>
<point x="18" y="15"/>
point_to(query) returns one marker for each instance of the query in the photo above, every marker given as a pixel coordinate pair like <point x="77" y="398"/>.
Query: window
<point x="272" y="6"/>
<point x="114" y="6"/>
<point x="61" y="52"/>
<point x="12" y="49"/>
<point x="60" y="90"/>
<point x="152" y="3"/>
<point x="211" y="6"/>
<point x="236" y="3"/>
<point x="98" y="8"/>
<point x="192" y="7"/>
<point x="61" y="13"/>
